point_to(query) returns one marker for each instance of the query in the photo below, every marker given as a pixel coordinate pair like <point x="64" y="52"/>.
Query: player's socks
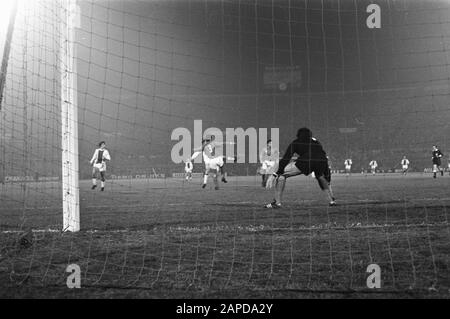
<point x="205" y="180"/>
<point x="224" y="176"/>
<point x="434" y="175"/>
<point x="273" y="204"/>
<point x="93" y="186"/>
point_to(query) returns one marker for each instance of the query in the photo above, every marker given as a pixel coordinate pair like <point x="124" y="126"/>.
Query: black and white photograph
<point x="241" y="151"/>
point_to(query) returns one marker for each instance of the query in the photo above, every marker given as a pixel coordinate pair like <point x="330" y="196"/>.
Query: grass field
<point x="167" y="238"/>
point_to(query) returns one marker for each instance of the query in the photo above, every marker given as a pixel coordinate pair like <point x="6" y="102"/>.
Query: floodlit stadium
<point x="153" y="79"/>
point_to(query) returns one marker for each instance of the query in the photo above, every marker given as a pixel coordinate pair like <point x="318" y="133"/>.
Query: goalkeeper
<point x="311" y="158"/>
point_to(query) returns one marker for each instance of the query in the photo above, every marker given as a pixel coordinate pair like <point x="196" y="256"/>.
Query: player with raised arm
<point x="348" y="166"/>
<point x="269" y="158"/>
<point x="373" y="166"/>
<point x="436" y="156"/>
<point x="98" y="162"/>
<point x="311" y="159"/>
<point x="405" y="165"/>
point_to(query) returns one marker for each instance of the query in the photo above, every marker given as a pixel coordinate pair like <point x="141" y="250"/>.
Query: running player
<point x="311" y="158"/>
<point x="98" y="162"/>
<point x="348" y="166"/>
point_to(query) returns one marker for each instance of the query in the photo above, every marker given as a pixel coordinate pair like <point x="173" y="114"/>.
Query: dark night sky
<point x="147" y="67"/>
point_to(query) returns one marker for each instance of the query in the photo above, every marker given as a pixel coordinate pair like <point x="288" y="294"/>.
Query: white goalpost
<point x="70" y="20"/>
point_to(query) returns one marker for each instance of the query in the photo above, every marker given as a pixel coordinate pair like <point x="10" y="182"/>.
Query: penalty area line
<point x="242" y="228"/>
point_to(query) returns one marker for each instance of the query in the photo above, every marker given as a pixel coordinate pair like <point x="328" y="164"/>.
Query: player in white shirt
<point x="373" y="166"/>
<point x="188" y="167"/>
<point x="213" y="163"/>
<point x="98" y="162"/>
<point x="405" y="165"/>
<point x="269" y="158"/>
<point x="348" y="166"/>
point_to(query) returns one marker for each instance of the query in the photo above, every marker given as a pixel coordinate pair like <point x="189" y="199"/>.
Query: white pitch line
<point x="251" y="228"/>
<point x="60" y="231"/>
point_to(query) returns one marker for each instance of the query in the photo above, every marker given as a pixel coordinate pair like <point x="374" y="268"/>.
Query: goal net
<point x="152" y="76"/>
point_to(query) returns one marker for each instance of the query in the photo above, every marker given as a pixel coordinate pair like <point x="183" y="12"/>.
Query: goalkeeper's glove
<point x="271" y="180"/>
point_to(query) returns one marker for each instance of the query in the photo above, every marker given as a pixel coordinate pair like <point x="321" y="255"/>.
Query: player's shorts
<point x="267" y="167"/>
<point x="100" y="166"/>
<point x="214" y="163"/>
<point x="319" y="167"/>
<point x="188" y="170"/>
<point x="348" y="168"/>
<point x="405" y="167"/>
<point x="437" y="161"/>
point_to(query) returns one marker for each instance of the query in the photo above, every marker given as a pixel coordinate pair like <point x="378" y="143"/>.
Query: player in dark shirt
<point x="311" y="158"/>
<point x="436" y="158"/>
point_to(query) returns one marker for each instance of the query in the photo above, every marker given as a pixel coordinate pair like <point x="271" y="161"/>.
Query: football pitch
<point x="166" y="238"/>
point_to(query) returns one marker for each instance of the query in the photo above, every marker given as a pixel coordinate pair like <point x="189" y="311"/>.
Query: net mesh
<point x="145" y="68"/>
